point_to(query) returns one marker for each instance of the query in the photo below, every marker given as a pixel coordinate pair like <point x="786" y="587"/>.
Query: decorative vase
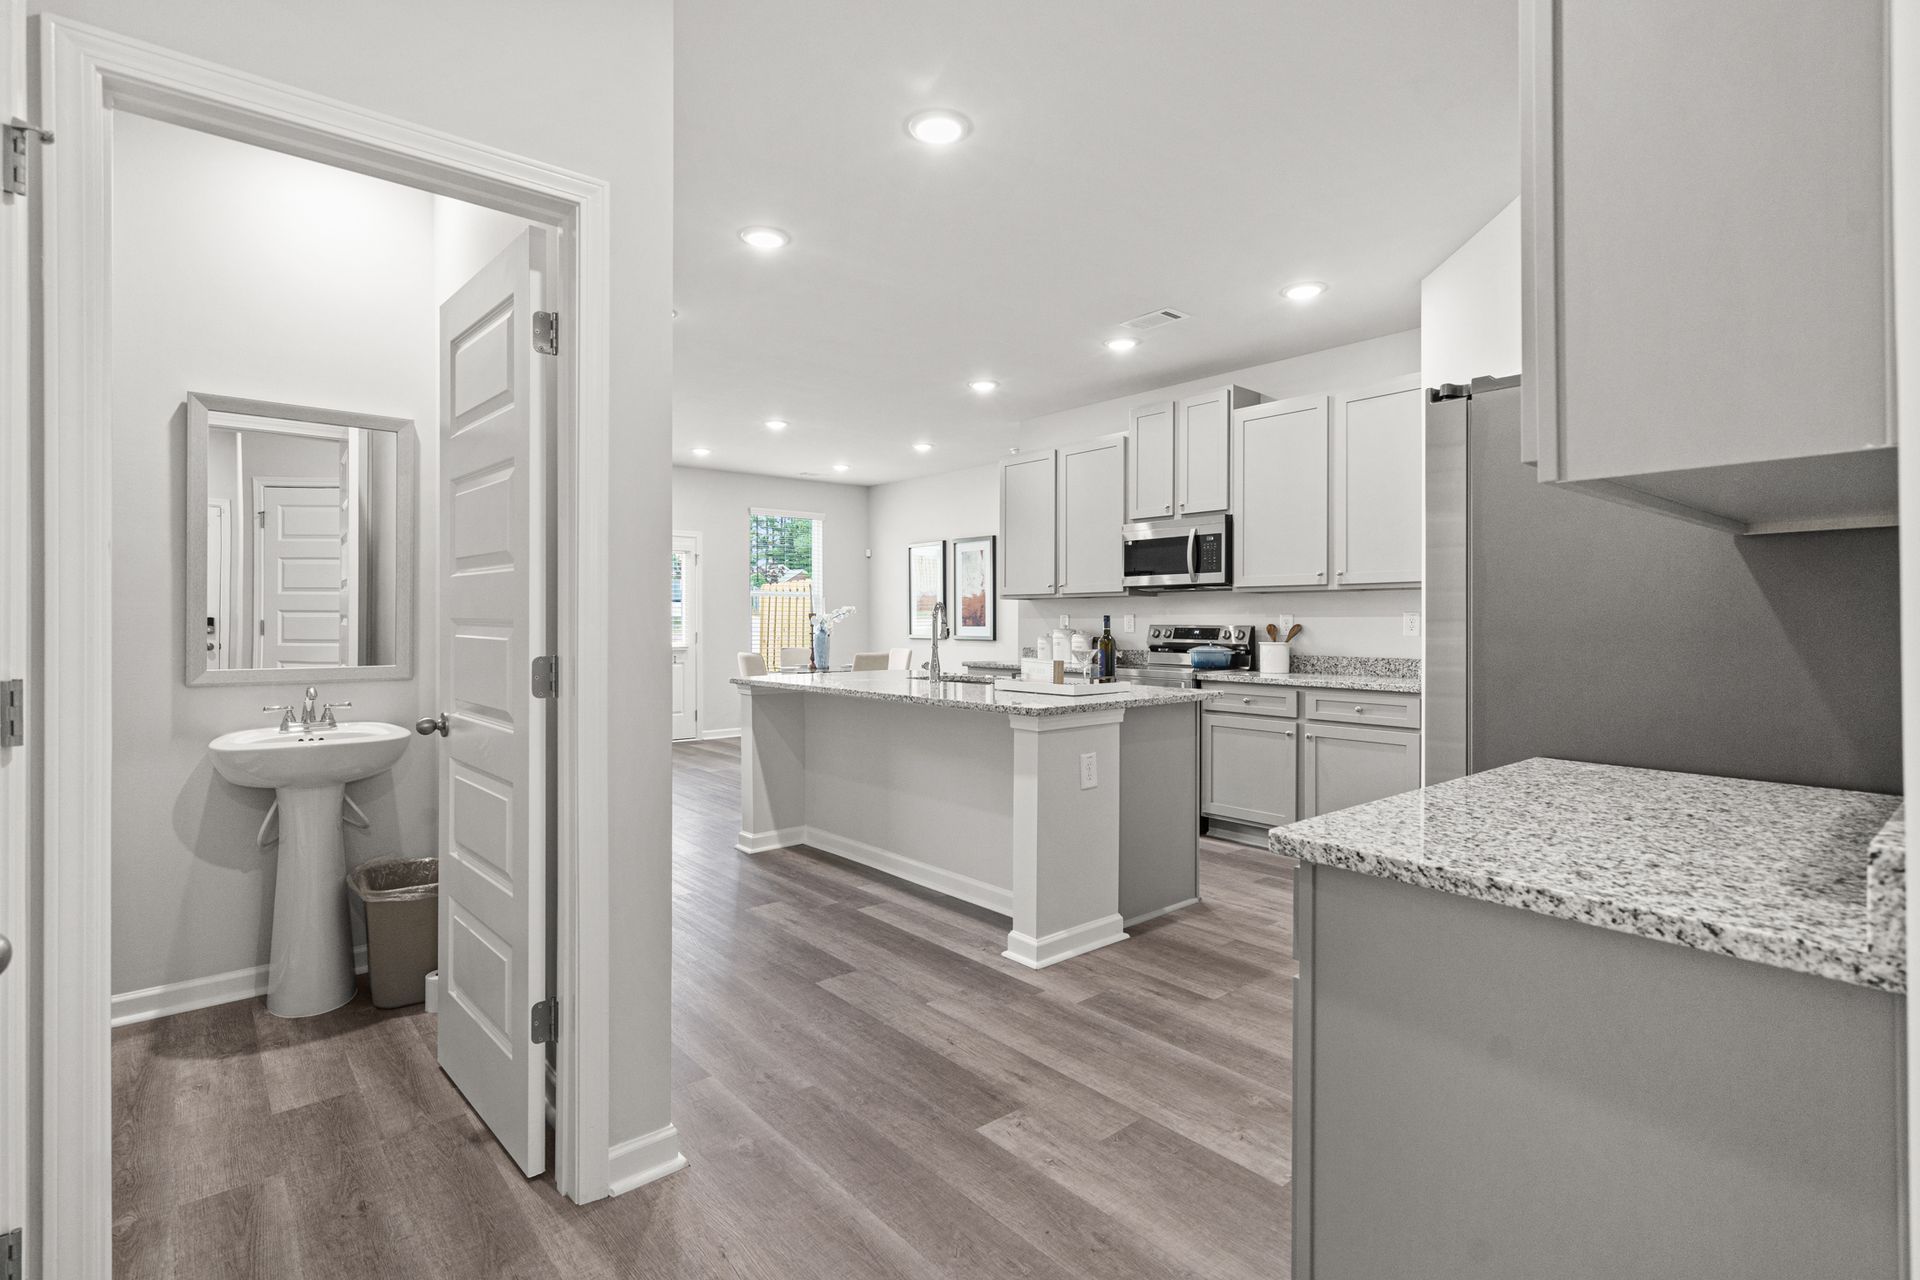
<point x="822" y="641"/>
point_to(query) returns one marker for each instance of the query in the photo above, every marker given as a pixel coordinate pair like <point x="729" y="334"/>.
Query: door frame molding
<point x="86" y="75"/>
<point x="695" y="624"/>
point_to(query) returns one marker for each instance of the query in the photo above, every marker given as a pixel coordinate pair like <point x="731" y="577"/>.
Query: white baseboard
<point x="433" y="991"/>
<point x="1038" y="953"/>
<point x="708" y="735"/>
<point x="149" y="1003"/>
<point x="912" y="870"/>
<point x="768" y="841"/>
<point x="647" y="1158"/>
<point x="1155" y="914"/>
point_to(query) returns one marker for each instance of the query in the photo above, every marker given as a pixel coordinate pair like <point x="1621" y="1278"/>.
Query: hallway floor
<point x="864" y="1088"/>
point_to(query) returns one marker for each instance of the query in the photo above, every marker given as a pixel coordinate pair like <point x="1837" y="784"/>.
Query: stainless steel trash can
<point x="402" y="897"/>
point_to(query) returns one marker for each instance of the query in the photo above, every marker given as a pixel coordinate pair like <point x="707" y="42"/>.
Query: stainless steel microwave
<point x="1168" y="554"/>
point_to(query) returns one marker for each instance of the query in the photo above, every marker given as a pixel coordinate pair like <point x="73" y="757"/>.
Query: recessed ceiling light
<point x="923" y="447"/>
<point x="984" y="385"/>
<point x="765" y="237"/>
<point x="1305" y="291"/>
<point x="1122" y="344"/>
<point x="701" y="453"/>
<point x="776" y="424"/>
<point x="840" y="466"/>
<point x="939" y="128"/>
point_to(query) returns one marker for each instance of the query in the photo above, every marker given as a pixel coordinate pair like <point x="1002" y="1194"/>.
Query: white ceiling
<point x="1125" y="155"/>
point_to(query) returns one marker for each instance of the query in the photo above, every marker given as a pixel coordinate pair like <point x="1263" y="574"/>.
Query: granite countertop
<point x="895" y="686"/>
<point x="1314" y="680"/>
<point x="1801" y="878"/>
<point x="992" y="664"/>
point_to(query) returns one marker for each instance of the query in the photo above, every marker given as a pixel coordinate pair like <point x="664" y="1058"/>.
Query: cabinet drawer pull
<point x="1248" y="701"/>
<point x="1359" y="711"/>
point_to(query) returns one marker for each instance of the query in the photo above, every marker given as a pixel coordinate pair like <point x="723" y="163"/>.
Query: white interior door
<point x="298" y="600"/>
<point x="16" y="1049"/>
<point x="685" y="609"/>
<point x="495" y="424"/>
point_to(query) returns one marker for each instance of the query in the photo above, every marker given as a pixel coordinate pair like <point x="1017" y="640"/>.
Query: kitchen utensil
<point x="1210" y="657"/>
<point x="1292" y="631"/>
<point x="1273" y="633"/>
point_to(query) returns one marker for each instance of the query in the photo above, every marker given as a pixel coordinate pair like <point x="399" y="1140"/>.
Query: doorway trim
<point x="87" y="74"/>
<point x="692" y="622"/>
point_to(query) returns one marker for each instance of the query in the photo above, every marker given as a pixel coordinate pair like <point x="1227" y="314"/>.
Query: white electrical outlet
<point x="1409" y="624"/>
<point x="1065" y="621"/>
<point x="1089" y="770"/>
<point x="1126" y="622"/>
<point x="1286" y="624"/>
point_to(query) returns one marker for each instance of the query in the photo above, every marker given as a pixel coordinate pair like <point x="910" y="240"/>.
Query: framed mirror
<point x="300" y="543"/>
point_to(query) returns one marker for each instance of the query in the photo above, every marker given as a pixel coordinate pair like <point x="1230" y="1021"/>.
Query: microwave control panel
<point x="1208" y="553"/>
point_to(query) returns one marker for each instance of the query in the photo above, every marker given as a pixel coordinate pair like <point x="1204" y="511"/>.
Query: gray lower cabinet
<point x="1345" y="765"/>
<point x="1249" y="766"/>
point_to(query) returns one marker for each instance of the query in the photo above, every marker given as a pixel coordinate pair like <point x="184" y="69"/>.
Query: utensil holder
<point x="1275" y="657"/>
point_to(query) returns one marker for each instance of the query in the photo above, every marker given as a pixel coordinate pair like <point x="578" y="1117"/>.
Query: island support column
<point x="1066" y="837"/>
<point x="773" y="769"/>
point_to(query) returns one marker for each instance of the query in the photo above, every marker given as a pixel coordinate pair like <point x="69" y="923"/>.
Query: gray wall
<point x="1606" y="633"/>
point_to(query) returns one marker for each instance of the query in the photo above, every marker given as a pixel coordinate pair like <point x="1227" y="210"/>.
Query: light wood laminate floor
<point x="864" y="1087"/>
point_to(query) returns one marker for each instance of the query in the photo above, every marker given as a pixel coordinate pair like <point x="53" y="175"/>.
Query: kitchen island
<point x="1072" y="816"/>
<point x="1577" y="1020"/>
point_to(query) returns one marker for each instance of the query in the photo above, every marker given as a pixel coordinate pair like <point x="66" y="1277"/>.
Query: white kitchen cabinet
<point x="1203" y="450"/>
<point x="1280" y="487"/>
<point x="1379" y="452"/>
<point x="1150" y="471"/>
<point x="1028" y="524"/>
<point x="1248" y="768"/>
<point x="1180" y="456"/>
<point x="1345" y="765"/>
<point x="1092" y="507"/>
<point x="1704" y="222"/>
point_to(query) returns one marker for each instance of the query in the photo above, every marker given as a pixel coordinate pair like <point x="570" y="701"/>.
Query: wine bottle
<point x="1108" y="664"/>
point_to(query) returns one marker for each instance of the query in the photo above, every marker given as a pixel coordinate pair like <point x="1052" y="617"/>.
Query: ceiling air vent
<point x="1153" y="320"/>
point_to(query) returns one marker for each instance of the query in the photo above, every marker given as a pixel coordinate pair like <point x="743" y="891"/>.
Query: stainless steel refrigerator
<point x="1561" y="624"/>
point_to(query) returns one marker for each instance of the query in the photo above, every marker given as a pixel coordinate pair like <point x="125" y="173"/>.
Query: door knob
<point x="6" y="952"/>
<point x="428" y="724"/>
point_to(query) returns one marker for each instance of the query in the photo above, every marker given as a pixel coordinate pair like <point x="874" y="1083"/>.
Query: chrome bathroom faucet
<point x="312" y="714"/>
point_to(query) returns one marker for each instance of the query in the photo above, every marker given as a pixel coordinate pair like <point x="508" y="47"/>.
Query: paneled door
<point x="685" y="609"/>
<point x="299" y="605"/>
<point x="496" y="416"/>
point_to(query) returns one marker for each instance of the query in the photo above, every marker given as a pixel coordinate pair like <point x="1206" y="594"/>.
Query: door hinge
<point x="13" y="727"/>
<point x="546" y="332"/>
<point x="546" y="1021"/>
<point x="1449" y="391"/>
<point x="13" y="1261"/>
<point x="546" y="676"/>
<point x="260" y="518"/>
<point x="13" y="154"/>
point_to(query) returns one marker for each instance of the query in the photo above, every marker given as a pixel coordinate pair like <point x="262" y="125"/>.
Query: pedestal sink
<point x="310" y="965"/>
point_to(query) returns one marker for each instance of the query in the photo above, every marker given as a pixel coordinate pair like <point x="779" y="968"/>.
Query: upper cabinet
<point x="1280" y="493"/>
<point x="1150" y="483"/>
<point x="1027" y="524"/>
<point x="1179" y="457"/>
<point x="1091" y="511"/>
<point x="1379" y="452"/>
<point x="1704" y="230"/>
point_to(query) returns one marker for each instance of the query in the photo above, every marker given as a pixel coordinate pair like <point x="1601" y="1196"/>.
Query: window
<point x="785" y="551"/>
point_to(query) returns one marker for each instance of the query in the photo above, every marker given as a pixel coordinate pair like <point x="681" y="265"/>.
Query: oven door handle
<point x="1193" y="568"/>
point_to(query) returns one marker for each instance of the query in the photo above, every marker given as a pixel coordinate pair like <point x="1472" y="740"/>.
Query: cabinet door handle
<point x="1359" y="711"/>
<point x="1248" y="701"/>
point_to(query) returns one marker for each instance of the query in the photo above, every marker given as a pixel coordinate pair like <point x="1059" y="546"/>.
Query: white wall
<point x="714" y="504"/>
<point x="588" y="87"/>
<point x="1470" y="306"/>
<point x="466" y="238"/>
<point x="964" y="503"/>
<point x="959" y="504"/>
<point x="238" y="271"/>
